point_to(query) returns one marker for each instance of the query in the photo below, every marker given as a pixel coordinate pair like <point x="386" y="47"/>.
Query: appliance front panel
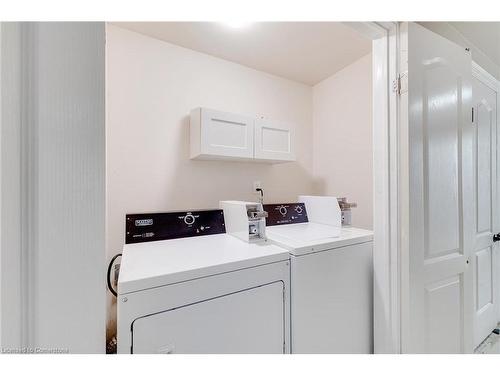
<point x="248" y="321"/>
<point x="332" y="301"/>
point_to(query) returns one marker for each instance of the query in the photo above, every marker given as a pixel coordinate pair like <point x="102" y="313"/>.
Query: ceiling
<point x="484" y="35"/>
<point x="306" y="52"/>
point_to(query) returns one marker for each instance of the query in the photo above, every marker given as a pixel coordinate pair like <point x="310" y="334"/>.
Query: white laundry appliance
<point x="187" y="287"/>
<point x="331" y="277"/>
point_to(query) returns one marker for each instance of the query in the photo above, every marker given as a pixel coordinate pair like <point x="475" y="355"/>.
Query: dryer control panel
<point x="285" y="213"/>
<point x="170" y="225"/>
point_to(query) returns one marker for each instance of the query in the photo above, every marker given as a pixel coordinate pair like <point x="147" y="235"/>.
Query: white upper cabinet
<point x="273" y="141"/>
<point x="220" y="135"/>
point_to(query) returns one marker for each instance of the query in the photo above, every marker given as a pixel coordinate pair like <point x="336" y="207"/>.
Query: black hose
<point x="110" y="286"/>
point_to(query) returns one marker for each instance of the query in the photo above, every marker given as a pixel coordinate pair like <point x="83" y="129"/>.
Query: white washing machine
<point x="331" y="280"/>
<point x="187" y="287"/>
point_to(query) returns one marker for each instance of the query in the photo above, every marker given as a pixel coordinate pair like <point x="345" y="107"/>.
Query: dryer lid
<point x="153" y="264"/>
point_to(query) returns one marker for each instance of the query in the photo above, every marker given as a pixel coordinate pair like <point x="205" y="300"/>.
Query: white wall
<point x="151" y="88"/>
<point x="342" y="138"/>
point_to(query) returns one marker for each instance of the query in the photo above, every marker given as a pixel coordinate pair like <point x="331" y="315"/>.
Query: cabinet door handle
<point x="496" y="237"/>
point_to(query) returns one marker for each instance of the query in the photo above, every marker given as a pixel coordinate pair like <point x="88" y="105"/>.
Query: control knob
<point x="189" y="219"/>
<point x="298" y="209"/>
<point x="283" y="210"/>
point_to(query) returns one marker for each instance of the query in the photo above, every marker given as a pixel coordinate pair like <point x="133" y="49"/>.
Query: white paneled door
<point x="484" y="258"/>
<point x="438" y="316"/>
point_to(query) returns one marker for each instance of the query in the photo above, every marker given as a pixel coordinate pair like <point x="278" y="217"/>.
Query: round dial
<point x="283" y="210"/>
<point x="189" y="219"/>
<point x="298" y="209"/>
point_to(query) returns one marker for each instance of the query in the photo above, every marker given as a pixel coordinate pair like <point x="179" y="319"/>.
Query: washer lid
<point x="306" y="238"/>
<point x="153" y="264"/>
<point x="306" y="232"/>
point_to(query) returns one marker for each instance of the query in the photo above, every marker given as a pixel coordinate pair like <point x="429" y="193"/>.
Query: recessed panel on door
<point x="484" y="280"/>
<point x="483" y="155"/>
<point x="441" y="158"/>
<point x="227" y="134"/>
<point x="443" y="316"/>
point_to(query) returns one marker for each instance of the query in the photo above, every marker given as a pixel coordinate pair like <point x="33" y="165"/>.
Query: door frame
<point x="483" y="76"/>
<point x="387" y="197"/>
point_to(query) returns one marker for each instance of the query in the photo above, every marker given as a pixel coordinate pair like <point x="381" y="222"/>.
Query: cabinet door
<point x="273" y="141"/>
<point x="250" y="321"/>
<point x="225" y="135"/>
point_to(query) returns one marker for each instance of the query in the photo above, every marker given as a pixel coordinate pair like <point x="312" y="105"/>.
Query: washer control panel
<point x="170" y="225"/>
<point x="285" y="213"/>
